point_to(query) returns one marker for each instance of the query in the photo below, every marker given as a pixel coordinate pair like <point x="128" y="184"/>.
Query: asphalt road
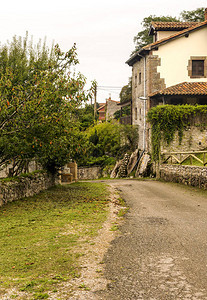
<point x="161" y="252"/>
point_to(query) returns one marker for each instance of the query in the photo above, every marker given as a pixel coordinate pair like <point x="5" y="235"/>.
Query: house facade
<point x="101" y="112"/>
<point x="171" y="70"/>
<point x="106" y="110"/>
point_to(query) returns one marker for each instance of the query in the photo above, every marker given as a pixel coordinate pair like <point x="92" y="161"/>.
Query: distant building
<point x="106" y="110"/>
<point x="101" y="112"/>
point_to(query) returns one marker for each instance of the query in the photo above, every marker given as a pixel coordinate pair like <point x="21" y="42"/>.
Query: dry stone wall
<point x="188" y="175"/>
<point x="24" y="186"/>
<point x="89" y="172"/>
<point x="31" y="167"/>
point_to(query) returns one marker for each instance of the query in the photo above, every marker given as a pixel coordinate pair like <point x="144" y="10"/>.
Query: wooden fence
<point x="185" y="158"/>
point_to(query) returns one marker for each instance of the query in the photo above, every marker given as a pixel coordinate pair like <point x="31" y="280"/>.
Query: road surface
<point x="161" y="252"/>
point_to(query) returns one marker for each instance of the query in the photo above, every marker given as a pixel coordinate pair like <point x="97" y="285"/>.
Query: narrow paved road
<point x="162" y="250"/>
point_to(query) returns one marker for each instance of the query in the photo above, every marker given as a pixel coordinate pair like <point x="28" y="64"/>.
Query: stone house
<point x="106" y="110"/>
<point x="171" y="70"/>
<point x="101" y="112"/>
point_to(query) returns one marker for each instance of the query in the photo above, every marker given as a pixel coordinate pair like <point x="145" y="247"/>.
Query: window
<point x="140" y="114"/>
<point x="135" y="81"/>
<point x="197" y="67"/>
<point x="140" y="78"/>
<point x="135" y="113"/>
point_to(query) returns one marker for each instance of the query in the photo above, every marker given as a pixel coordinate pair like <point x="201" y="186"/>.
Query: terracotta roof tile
<point x="112" y="100"/>
<point x="172" y="25"/>
<point x="101" y="107"/>
<point x="184" y="88"/>
<point x="180" y="33"/>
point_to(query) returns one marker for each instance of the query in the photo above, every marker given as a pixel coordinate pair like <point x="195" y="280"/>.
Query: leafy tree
<point x="125" y="96"/>
<point x="142" y="38"/>
<point x="196" y="15"/>
<point x="39" y="98"/>
<point x="126" y="92"/>
<point x="85" y="116"/>
<point x="126" y="111"/>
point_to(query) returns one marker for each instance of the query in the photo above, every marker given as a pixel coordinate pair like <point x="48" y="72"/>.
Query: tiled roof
<point x="172" y="25"/>
<point x="112" y="100"/>
<point x="180" y="33"/>
<point x="184" y="88"/>
<point x="101" y="107"/>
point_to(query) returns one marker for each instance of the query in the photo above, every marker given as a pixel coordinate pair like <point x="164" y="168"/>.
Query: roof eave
<point x="151" y="30"/>
<point x="136" y="57"/>
<point x="125" y="103"/>
<point x="176" y="94"/>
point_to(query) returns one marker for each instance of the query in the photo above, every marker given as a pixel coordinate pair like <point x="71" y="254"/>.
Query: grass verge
<point x="40" y="235"/>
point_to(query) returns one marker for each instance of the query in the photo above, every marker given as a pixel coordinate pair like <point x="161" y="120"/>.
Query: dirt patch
<point x="92" y="279"/>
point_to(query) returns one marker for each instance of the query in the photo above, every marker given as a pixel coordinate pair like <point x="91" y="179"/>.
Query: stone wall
<point x="193" y="139"/>
<point x="24" y="186"/>
<point x="188" y="175"/>
<point x="137" y="104"/>
<point x="111" y="108"/>
<point x="153" y="83"/>
<point x="89" y="172"/>
<point x="31" y="167"/>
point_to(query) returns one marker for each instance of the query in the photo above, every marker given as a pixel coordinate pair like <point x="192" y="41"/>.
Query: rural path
<point x="161" y="252"/>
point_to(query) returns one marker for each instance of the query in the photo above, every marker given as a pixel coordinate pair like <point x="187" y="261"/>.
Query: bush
<point x="107" y="142"/>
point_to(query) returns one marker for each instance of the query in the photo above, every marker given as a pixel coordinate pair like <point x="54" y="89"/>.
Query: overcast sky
<point x="102" y="30"/>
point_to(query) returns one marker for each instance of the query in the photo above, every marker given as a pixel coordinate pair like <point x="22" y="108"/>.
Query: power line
<point x="110" y="87"/>
<point x="114" y="92"/>
<point x="105" y="89"/>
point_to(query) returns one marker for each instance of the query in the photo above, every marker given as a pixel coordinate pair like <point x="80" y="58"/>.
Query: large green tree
<point x="38" y="100"/>
<point x="196" y="15"/>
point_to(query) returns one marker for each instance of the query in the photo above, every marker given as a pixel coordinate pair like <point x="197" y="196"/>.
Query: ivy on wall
<point x="166" y="120"/>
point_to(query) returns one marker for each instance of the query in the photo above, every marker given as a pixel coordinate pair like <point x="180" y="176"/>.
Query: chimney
<point x="205" y="14"/>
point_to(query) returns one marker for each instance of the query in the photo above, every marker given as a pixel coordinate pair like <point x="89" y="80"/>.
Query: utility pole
<point x="95" y="94"/>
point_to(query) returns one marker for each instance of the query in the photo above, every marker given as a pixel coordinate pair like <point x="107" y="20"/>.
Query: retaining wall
<point x="188" y="175"/>
<point x="24" y="186"/>
<point x="89" y="172"/>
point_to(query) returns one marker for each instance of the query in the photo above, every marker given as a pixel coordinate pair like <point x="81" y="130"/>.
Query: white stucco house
<point x="171" y="70"/>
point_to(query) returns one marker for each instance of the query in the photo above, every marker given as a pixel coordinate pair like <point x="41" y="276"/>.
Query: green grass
<point x="193" y="161"/>
<point x="114" y="227"/>
<point x="122" y="212"/>
<point x="40" y="235"/>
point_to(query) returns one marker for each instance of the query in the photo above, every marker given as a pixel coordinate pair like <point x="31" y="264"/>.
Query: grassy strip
<point x="39" y="235"/>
